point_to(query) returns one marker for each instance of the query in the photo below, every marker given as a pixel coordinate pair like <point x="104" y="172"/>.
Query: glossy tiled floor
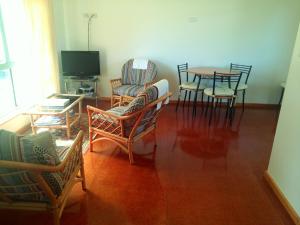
<point x="198" y="175"/>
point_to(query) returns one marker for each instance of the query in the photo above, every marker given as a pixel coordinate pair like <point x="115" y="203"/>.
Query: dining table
<point x="208" y="72"/>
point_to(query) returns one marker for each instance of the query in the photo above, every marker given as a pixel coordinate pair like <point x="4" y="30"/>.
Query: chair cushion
<point x="150" y="94"/>
<point x="192" y="86"/>
<point x="18" y="185"/>
<point x="9" y="146"/>
<point x="219" y="91"/>
<point x="41" y="149"/>
<point x="130" y="90"/>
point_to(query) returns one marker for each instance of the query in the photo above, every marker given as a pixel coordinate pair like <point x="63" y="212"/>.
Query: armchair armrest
<point x="116" y="83"/>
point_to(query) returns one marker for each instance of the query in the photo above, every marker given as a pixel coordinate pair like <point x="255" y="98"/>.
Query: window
<point x="28" y="59"/>
<point x="7" y="94"/>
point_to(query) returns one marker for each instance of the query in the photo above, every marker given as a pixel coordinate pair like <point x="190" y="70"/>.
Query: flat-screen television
<point x="80" y="63"/>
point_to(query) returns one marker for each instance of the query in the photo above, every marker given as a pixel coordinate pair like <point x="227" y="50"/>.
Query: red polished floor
<point x="197" y="175"/>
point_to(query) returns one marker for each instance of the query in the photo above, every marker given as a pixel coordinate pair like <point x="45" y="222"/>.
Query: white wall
<point x="284" y="166"/>
<point x="201" y="32"/>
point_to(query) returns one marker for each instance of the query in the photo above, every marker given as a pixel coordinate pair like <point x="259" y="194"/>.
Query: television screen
<point x="80" y="63"/>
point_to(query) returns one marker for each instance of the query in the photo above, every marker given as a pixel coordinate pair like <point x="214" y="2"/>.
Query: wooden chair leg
<point x="56" y="219"/>
<point x="131" y="160"/>
<point x="82" y="174"/>
<point x="112" y="101"/>
<point x="91" y="141"/>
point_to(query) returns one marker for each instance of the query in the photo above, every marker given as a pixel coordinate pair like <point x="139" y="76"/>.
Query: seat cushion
<point x="219" y="91"/>
<point x="192" y="86"/>
<point x="130" y="90"/>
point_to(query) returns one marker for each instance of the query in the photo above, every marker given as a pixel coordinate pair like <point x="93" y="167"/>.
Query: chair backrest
<point x="232" y="80"/>
<point x="145" y="118"/>
<point x="182" y="69"/>
<point x="133" y="76"/>
<point x="244" y="69"/>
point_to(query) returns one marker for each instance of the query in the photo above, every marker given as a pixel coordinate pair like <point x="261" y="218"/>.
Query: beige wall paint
<point x="284" y="164"/>
<point x="201" y="32"/>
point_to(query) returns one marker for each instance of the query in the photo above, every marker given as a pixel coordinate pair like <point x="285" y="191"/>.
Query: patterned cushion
<point x="137" y="76"/>
<point x="130" y="90"/>
<point x="135" y="105"/>
<point x="14" y="181"/>
<point x="41" y="149"/>
<point x="150" y="94"/>
<point x="219" y="91"/>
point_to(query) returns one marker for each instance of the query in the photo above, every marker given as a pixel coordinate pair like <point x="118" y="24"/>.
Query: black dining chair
<point x="245" y="70"/>
<point x="185" y="85"/>
<point x="225" y="86"/>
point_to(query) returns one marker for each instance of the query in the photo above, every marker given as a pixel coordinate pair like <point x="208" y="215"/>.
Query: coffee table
<point x="63" y="117"/>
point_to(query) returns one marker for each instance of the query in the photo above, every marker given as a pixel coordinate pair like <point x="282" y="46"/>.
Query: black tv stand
<point x="86" y="86"/>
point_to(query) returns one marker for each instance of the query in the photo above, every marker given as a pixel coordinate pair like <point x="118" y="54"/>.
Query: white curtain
<point x="29" y="30"/>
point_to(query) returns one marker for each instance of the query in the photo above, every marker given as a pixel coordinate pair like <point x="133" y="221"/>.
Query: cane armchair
<point x="134" y="80"/>
<point x="124" y="125"/>
<point x="40" y="178"/>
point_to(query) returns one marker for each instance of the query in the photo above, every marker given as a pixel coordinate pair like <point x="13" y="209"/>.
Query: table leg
<point x="196" y="93"/>
<point x="32" y="124"/>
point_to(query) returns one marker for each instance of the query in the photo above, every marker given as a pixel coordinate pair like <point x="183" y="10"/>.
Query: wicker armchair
<point x="38" y="186"/>
<point x="134" y="80"/>
<point x="124" y="125"/>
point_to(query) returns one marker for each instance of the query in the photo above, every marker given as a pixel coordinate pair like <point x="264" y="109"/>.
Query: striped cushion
<point x="16" y="184"/>
<point x="130" y="90"/>
<point x="137" y="76"/>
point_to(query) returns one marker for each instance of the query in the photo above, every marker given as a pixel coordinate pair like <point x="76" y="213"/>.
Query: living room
<point x="227" y="164"/>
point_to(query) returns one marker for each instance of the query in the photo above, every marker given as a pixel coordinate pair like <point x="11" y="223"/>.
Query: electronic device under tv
<point x="80" y="63"/>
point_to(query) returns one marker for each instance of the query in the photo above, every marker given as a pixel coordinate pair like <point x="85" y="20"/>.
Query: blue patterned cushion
<point x="41" y="149"/>
<point x="130" y="90"/>
<point x="137" y="76"/>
